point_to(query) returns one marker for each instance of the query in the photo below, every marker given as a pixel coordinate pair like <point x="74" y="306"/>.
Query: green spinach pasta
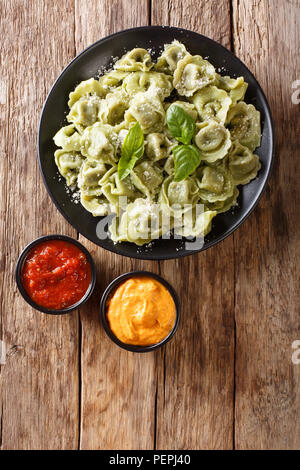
<point x="150" y="141"/>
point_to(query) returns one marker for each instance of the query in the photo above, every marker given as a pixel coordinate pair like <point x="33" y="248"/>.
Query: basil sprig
<point x="180" y="124"/>
<point x="186" y="160"/>
<point x="132" y="149"/>
<point x="186" y="157"/>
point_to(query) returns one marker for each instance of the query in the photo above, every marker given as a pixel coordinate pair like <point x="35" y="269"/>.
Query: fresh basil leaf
<point x="132" y="149"/>
<point x="180" y="124"/>
<point x="186" y="160"/>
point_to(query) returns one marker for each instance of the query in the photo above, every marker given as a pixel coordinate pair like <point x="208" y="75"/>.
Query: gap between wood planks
<point x="78" y="311"/>
<point x="232" y="48"/>
<point x="159" y="272"/>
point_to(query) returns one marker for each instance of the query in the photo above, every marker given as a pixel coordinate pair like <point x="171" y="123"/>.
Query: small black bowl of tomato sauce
<point x="55" y="274"/>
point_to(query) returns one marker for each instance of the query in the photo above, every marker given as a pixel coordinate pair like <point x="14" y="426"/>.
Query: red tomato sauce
<point x="56" y="274"/>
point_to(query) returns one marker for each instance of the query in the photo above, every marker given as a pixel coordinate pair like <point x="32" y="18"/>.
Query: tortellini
<point x="223" y="206"/>
<point x="97" y="205"/>
<point x="178" y="199"/>
<point x="112" y="109"/>
<point x="169" y="165"/>
<point x="243" y="121"/>
<point x="85" y="111"/>
<point x="158" y="146"/>
<point x="159" y="83"/>
<point x="176" y="195"/>
<point x="195" y="225"/>
<point x="91" y="194"/>
<point x="213" y="140"/>
<point x="150" y="202"/>
<point x="90" y="175"/>
<point x="243" y="164"/>
<point x="68" y="138"/>
<point x="118" y="192"/>
<point x="135" y="60"/>
<point x="235" y="87"/>
<point x="99" y="142"/>
<point x="140" y="223"/>
<point x="215" y="184"/>
<point x="170" y="57"/>
<point x="193" y="73"/>
<point x="68" y="164"/>
<point x="212" y="103"/>
<point x="111" y="80"/>
<point x="148" y="110"/>
<point x="189" y="108"/>
<point x="86" y="88"/>
<point x="147" y="178"/>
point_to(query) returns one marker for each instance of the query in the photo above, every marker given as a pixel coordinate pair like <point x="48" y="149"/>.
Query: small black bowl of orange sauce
<point x="140" y="311"/>
<point x="55" y="274"/>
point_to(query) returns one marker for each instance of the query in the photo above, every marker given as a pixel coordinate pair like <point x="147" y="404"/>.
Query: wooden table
<point x="227" y="380"/>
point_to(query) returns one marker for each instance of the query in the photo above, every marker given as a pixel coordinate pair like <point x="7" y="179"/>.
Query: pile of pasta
<point x="101" y="113"/>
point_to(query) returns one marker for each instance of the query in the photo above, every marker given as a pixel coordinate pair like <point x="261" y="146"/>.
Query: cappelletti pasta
<point x="201" y="162"/>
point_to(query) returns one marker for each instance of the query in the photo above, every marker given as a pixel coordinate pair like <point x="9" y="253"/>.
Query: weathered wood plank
<point x="211" y="18"/>
<point x="267" y="247"/>
<point x="118" y="388"/>
<point x="39" y="382"/>
<point x="196" y="371"/>
<point x="112" y="16"/>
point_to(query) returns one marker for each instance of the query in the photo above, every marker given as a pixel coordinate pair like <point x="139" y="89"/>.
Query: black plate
<point x="88" y="64"/>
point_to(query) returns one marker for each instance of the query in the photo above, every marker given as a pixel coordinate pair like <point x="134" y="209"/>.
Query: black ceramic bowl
<point x="112" y="287"/>
<point x="19" y="267"/>
<point x="88" y="64"/>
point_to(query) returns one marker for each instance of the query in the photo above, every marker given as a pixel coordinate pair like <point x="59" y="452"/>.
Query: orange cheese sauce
<point x="141" y="311"/>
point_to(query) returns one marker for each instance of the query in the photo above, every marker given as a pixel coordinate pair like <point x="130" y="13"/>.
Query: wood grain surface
<point x="226" y="380"/>
<point x="39" y="382"/>
<point x="267" y="246"/>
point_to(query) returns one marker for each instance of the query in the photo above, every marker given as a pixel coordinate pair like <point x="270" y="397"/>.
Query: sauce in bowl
<point x="56" y="274"/>
<point x="141" y="311"/>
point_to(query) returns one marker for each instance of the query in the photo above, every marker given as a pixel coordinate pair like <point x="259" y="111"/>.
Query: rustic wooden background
<point x="227" y="379"/>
